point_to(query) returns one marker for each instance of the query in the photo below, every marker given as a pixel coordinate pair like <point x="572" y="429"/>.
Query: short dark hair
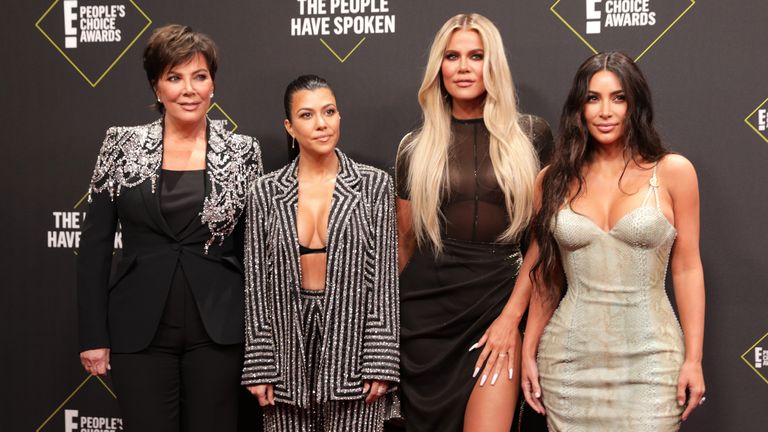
<point x="304" y="82"/>
<point x="175" y="44"/>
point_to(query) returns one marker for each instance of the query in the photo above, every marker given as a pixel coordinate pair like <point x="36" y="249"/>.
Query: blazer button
<point x="175" y="246"/>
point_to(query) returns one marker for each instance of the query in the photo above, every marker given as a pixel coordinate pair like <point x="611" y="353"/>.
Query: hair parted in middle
<point x="575" y="148"/>
<point x="514" y="159"/>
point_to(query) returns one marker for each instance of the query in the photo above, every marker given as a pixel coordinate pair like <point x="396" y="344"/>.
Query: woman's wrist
<point x="511" y="315"/>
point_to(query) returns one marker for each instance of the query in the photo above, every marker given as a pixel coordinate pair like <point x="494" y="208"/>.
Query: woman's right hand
<point x="95" y="361"/>
<point x="265" y="393"/>
<point x="530" y="383"/>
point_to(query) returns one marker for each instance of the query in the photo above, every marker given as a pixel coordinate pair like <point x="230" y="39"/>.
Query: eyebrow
<point x="173" y="71"/>
<point x="613" y="92"/>
<point x="474" y="50"/>
<point x="310" y="109"/>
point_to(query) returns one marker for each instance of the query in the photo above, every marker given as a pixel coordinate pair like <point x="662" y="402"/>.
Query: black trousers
<point x="183" y="382"/>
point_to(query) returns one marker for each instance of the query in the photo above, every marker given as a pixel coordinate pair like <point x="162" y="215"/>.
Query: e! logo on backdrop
<point x="757" y="120"/>
<point x="756" y="357"/>
<point x="93" y="34"/>
<point x="91" y="407"/>
<point x="633" y="26"/>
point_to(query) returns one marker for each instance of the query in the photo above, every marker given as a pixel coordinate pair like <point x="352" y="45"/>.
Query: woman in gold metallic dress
<point x="613" y="205"/>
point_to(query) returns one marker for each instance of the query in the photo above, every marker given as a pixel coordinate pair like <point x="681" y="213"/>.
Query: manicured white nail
<point x="510" y="373"/>
<point x="473" y="347"/>
<point x="482" y="380"/>
<point x="537" y="394"/>
<point x="476" y="371"/>
<point x="495" y="377"/>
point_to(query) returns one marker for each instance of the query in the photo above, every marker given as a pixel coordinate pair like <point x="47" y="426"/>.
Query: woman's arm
<point x="380" y="360"/>
<point x="679" y="176"/>
<point x="406" y="241"/>
<point x="94" y="263"/>
<point x="539" y="313"/>
<point x="501" y="334"/>
<point x="260" y="365"/>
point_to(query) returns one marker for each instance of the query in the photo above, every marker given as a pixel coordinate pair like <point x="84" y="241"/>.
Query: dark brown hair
<point x="172" y="45"/>
<point x="574" y="150"/>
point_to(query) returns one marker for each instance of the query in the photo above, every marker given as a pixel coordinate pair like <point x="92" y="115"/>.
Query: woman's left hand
<point x="691" y="379"/>
<point x="498" y="345"/>
<point x="375" y="389"/>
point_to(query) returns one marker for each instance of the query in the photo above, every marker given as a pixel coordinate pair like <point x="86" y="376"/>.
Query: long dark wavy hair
<point x="304" y="82"/>
<point x="575" y="148"/>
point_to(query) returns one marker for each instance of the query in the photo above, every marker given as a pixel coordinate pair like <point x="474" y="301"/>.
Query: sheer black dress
<point x="449" y="300"/>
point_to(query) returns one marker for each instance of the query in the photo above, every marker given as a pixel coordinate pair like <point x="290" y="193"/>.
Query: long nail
<point x="482" y="380"/>
<point x="510" y="373"/>
<point x="495" y="377"/>
<point x="477" y="369"/>
<point x="473" y="347"/>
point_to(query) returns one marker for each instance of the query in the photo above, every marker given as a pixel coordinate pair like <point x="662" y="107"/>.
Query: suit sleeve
<point x="260" y="366"/>
<point x="381" y="339"/>
<point x="94" y="260"/>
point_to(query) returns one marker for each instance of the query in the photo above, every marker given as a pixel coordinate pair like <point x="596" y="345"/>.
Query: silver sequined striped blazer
<point x="361" y="332"/>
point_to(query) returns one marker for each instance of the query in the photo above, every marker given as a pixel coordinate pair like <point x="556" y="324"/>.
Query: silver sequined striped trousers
<point x="332" y="416"/>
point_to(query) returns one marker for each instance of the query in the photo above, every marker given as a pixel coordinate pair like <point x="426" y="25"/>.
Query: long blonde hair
<point x="513" y="158"/>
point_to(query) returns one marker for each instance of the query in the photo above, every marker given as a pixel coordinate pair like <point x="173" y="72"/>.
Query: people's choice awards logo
<point x="633" y="26"/>
<point x="342" y="22"/>
<point x="93" y="34"/>
<point x="757" y="120"/>
<point x="102" y="414"/>
<point x="756" y="357"/>
<point x="216" y="112"/>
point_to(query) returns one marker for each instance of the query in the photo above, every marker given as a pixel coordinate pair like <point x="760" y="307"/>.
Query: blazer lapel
<point x="285" y="205"/>
<point x="150" y="191"/>
<point x="345" y="199"/>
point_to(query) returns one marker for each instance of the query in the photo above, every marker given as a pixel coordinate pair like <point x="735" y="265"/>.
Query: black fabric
<point x="447" y="303"/>
<point x="183" y="381"/>
<point x="303" y="250"/>
<point x="181" y="199"/>
<point x="137" y="290"/>
<point x="475" y="209"/>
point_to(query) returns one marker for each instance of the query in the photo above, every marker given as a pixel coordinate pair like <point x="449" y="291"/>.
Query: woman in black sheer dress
<point x="465" y="196"/>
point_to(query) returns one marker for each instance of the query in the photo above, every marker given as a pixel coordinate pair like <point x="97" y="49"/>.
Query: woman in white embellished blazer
<point x="322" y="308"/>
<point x="169" y="322"/>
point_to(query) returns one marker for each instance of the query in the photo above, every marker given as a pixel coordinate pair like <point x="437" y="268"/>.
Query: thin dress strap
<point x="653" y="185"/>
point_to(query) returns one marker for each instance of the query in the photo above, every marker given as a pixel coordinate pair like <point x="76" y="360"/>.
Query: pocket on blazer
<point x="123" y="267"/>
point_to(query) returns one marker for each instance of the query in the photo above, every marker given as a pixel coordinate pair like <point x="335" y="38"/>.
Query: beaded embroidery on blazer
<point x="361" y="323"/>
<point x="133" y="154"/>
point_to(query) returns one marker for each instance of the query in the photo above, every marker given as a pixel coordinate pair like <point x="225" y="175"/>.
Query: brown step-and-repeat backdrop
<point x="72" y="68"/>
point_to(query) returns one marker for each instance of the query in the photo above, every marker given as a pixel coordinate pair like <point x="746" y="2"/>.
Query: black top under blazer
<point x="361" y="324"/>
<point x="123" y="312"/>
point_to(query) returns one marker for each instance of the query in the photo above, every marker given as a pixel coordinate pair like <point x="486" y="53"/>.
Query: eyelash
<point x="201" y="77"/>
<point x="619" y="98"/>
<point x="453" y="56"/>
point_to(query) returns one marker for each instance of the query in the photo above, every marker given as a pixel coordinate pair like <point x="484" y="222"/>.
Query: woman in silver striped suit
<point x="322" y="314"/>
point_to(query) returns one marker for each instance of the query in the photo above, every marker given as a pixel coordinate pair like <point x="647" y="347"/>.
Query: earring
<point x="293" y="142"/>
<point x="211" y="95"/>
<point x="158" y="98"/>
